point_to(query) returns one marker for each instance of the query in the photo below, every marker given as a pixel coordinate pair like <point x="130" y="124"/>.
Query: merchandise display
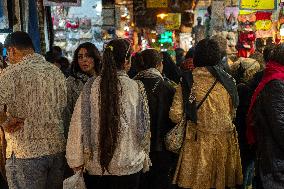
<point x="62" y="2"/>
<point x="231" y="15"/>
<point x="185" y="41"/>
<point x="4" y="23"/>
<point x="264" y="24"/>
<point x="70" y="30"/>
<point x="217" y="17"/>
<point x="247" y="37"/>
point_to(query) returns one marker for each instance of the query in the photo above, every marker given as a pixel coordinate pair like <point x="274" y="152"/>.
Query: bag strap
<point x="207" y="94"/>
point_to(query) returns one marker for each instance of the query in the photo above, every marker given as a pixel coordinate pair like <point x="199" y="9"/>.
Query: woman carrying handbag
<point x="209" y="156"/>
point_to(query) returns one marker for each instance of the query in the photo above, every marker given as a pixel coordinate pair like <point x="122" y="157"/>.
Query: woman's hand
<point x="78" y="169"/>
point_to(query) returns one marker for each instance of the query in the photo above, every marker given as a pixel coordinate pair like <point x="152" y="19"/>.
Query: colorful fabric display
<point x="247" y="17"/>
<point x="247" y="26"/>
<point x="33" y="28"/>
<point x="263" y="34"/>
<point x="4" y="23"/>
<point x="246" y="43"/>
<point x="244" y="37"/>
<point x="246" y="12"/>
<point x="263" y="15"/>
<point x="231" y="11"/>
<point x="263" y="25"/>
<point x="217" y="17"/>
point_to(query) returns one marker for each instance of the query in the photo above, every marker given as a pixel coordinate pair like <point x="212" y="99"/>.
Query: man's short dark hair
<point x="57" y="51"/>
<point x="20" y="40"/>
<point x="50" y="57"/>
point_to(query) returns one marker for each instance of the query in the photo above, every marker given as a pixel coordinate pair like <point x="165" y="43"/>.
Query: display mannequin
<point x="198" y="31"/>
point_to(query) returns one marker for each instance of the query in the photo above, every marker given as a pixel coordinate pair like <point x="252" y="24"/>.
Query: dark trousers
<point x="3" y="183"/>
<point x="161" y="172"/>
<point x="269" y="180"/>
<point x="112" y="182"/>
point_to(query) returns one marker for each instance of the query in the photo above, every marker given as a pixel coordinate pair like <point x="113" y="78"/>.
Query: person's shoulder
<point x="132" y="82"/>
<point x="9" y="73"/>
<point x="70" y="79"/>
<point x="166" y="85"/>
<point x="273" y="90"/>
<point x="275" y="85"/>
<point x="72" y="82"/>
<point x="8" y="70"/>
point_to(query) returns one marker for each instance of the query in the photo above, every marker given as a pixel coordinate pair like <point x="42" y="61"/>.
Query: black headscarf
<point x="170" y="69"/>
<point x="227" y="81"/>
<point x="190" y="106"/>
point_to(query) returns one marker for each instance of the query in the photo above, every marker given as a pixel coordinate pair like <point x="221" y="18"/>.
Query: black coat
<point x="269" y="126"/>
<point x="160" y="96"/>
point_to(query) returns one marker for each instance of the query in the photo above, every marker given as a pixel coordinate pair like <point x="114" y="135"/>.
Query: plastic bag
<point x="75" y="182"/>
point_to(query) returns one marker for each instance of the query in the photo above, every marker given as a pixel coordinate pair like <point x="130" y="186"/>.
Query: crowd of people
<point x="107" y="116"/>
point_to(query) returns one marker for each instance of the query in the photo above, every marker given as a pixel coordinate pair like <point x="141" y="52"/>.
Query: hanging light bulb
<point x="162" y="15"/>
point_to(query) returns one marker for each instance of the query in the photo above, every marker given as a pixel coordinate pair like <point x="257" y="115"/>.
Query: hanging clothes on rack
<point x="24" y="15"/>
<point x="4" y="23"/>
<point x="33" y="28"/>
<point x="49" y="25"/>
<point x="41" y="22"/>
<point x="62" y="2"/>
<point x="17" y="14"/>
<point x="217" y="17"/>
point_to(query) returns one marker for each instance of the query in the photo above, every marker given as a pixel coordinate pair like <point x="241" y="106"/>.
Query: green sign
<point x="166" y="37"/>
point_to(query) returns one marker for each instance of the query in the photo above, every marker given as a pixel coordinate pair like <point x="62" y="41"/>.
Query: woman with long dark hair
<point x="109" y="133"/>
<point x="86" y="64"/>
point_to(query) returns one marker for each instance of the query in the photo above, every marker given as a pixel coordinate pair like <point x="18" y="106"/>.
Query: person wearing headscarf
<point x="209" y="157"/>
<point x="171" y="70"/>
<point x="265" y="123"/>
<point x="160" y="95"/>
<point x="248" y="76"/>
<point x="179" y="56"/>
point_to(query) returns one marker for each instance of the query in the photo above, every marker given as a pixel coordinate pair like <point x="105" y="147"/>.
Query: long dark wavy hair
<point x="115" y="54"/>
<point x="92" y="52"/>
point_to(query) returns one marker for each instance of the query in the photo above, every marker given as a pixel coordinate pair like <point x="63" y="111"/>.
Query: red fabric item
<point x="72" y="25"/>
<point x="263" y="15"/>
<point x="244" y="37"/>
<point x="187" y="64"/>
<point x="243" y="53"/>
<point x="273" y="71"/>
<point x="246" y="41"/>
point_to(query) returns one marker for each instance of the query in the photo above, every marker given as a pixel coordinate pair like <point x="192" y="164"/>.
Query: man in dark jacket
<point x="266" y="123"/>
